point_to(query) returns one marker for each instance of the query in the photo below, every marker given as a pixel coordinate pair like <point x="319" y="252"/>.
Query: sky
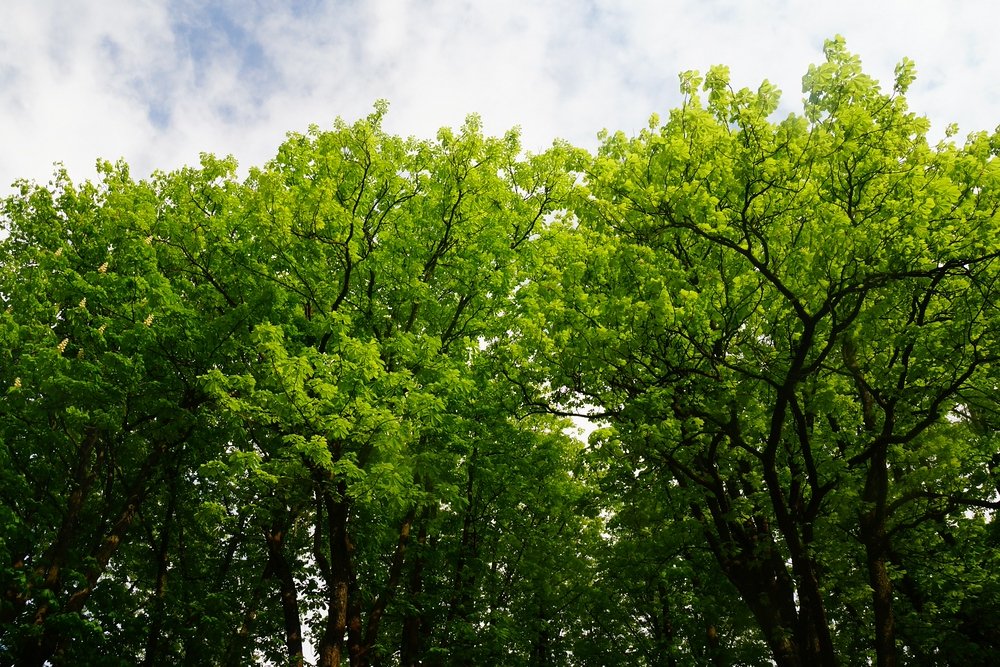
<point x="157" y="82"/>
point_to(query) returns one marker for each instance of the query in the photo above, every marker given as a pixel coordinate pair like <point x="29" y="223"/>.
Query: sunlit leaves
<point x="314" y="396"/>
<point x="768" y="308"/>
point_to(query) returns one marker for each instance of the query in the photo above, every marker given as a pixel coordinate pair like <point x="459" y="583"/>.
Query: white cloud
<point x="159" y="82"/>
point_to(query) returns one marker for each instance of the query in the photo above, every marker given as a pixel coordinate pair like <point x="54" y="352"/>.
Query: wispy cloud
<point x="159" y="82"/>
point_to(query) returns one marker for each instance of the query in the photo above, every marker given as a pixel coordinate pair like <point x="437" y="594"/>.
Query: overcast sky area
<point x="158" y="82"/>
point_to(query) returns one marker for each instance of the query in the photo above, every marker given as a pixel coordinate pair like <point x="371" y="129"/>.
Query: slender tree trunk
<point x="52" y="644"/>
<point x="50" y="569"/>
<point x="362" y="647"/>
<point x="83" y="479"/>
<point x="239" y="642"/>
<point x="755" y="566"/>
<point x="812" y="629"/>
<point x="873" y="517"/>
<point x="745" y="553"/>
<point x="414" y="623"/>
<point x="767" y="589"/>
<point x="460" y="602"/>
<point x="160" y="590"/>
<point x="541" y="650"/>
<point x="876" y="541"/>
<point x="38" y="651"/>
<point x="356" y="653"/>
<point x="714" y="644"/>
<point x="663" y="629"/>
<point x="338" y="576"/>
<point x="815" y="627"/>
<point x="280" y="570"/>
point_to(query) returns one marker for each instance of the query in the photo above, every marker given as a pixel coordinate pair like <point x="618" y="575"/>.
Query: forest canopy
<point x="323" y="412"/>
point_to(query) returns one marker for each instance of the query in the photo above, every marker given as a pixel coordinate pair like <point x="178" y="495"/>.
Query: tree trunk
<point x="280" y="569"/>
<point x="872" y="519"/>
<point x="160" y="591"/>
<point x="663" y="628"/>
<point x="362" y="647"/>
<point x="55" y="557"/>
<point x="49" y="641"/>
<point x="460" y="602"/>
<point x="240" y="641"/>
<point x="50" y="569"/>
<point x="876" y="541"/>
<point x="767" y="589"/>
<point x="338" y="576"/>
<point x="414" y="623"/>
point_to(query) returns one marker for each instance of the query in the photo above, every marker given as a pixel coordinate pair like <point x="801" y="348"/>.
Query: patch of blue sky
<point x="151" y="87"/>
<point x="206" y="31"/>
<point x="301" y="9"/>
<point x="210" y="34"/>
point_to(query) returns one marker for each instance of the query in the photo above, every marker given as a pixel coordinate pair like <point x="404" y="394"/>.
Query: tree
<point x="103" y="407"/>
<point x="383" y="264"/>
<point x="783" y="322"/>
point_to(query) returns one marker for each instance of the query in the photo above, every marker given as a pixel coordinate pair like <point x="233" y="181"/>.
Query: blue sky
<point x="156" y="83"/>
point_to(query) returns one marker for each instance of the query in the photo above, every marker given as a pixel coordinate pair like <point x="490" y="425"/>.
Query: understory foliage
<point x="320" y="413"/>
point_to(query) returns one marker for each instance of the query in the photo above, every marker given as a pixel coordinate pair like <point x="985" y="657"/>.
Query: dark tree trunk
<point x="362" y="647"/>
<point x="239" y="642"/>
<point x="414" y="623"/>
<point x="663" y="628"/>
<point x="756" y="567"/>
<point x="160" y="591"/>
<point x="876" y="542"/>
<point x="337" y="571"/>
<point x="460" y="602"/>
<point x="49" y="571"/>
<point x="281" y="570"/>
<point x="98" y="558"/>
<point x="767" y="589"/>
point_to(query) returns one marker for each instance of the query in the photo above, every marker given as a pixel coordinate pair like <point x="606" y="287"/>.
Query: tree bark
<point x="767" y="589"/>
<point x="460" y="602"/>
<point x="162" y="566"/>
<point x="414" y="623"/>
<point x="362" y="647"/>
<point x="747" y="553"/>
<point x="99" y="558"/>
<point x="876" y="542"/>
<point x="874" y="516"/>
<point x="663" y="628"/>
<point x="280" y="570"/>
<point x="337" y="574"/>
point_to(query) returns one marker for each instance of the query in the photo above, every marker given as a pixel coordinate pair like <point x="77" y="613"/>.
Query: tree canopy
<point x="321" y="412"/>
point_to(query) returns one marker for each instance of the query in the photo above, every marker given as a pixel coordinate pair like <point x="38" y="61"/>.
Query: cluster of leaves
<point x="320" y="412"/>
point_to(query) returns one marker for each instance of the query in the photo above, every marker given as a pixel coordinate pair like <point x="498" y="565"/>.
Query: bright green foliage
<point x="265" y="378"/>
<point x="386" y="263"/>
<point x="321" y="410"/>
<point x="784" y="323"/>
